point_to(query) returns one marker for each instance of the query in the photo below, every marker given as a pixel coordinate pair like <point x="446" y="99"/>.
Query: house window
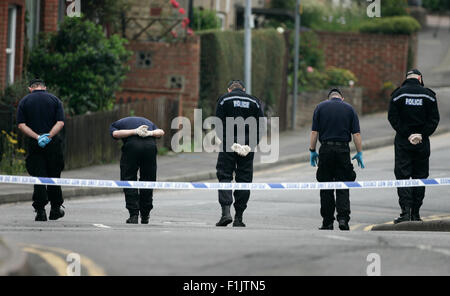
<point x="33" y="21"/>
<point x="11" y="45"/>
<point x="221" y="18"/>
<point x="144" y="59"/>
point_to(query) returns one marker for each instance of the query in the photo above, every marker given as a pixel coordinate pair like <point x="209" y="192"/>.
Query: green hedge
<point x="222" y="59"/>
<point x="391" y="25"/>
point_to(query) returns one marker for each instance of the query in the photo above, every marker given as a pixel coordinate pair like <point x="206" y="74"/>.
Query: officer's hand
<point x="415" y="139"/>
<point x="142" y="131"/>
<point x="359" y="159"/>
<point x="313" y="158"/>
<point x="43" y="140"/>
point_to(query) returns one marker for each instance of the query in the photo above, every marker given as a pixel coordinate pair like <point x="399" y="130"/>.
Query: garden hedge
<point x="222" y="59"/>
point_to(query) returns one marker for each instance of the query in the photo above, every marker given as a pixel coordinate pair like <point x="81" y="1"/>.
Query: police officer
<point x="334" y="122"/>
<point x="138" y="154"/>
<point x="40" y="116"/>
<point x="413" y="113"/>
<point x="236" y="157"/>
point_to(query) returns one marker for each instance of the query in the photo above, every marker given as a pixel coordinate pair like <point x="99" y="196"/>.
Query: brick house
<point x="20" y="23"/>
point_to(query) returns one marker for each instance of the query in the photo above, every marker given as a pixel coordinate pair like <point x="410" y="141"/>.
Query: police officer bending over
<point x="414" y="115"/>
<point x="236" y="157"/>
<point x="40" y="115"/>
<point x="138" y="154"/>
<point x="334" y="122"/>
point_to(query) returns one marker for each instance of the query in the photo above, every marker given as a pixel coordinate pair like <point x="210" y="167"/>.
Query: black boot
<point x="238" y="219"/>
<point x="405" y="215"/>
<point x="343" y="225"/>
<point x="327" y="226"/>
<point x="226" y="217"/>
<point x="134" y="219"/>
<point x="415" y="215"/>
<point x="145" y="217"/>
<point x="56" y="213"/>
<point x="41" y="215"/>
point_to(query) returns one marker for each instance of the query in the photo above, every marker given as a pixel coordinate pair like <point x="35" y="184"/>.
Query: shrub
<point x="82" y="63"/>
<point x="394" y="8"/>
<point x="436" y="5"/>
<point x="340" y="77"/>
<point x="391" y="25"/>
<point x="12" y="158"/>
<point x="205" y="20"/>
<point x="222" y="59"/>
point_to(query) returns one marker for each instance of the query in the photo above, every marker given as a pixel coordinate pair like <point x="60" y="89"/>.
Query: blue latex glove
<point x="313" y="158"/>
<point x="43" y="140"/>
<point x="359" y="159"/>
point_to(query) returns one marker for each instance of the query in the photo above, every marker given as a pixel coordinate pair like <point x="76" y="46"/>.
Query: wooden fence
<point x="87" y="140"/>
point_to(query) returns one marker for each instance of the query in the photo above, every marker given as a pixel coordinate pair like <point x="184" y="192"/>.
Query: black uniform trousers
<point x="138" y="154"/>
<point x="411" y="161"/>
<point x="335" y="166"/>
<point x="46" y="162"/>
<point x="227" y="164"/>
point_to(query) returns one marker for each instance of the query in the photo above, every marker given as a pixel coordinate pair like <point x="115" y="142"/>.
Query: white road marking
<point x="101" y="226"/>
<point x="339" y="238"/>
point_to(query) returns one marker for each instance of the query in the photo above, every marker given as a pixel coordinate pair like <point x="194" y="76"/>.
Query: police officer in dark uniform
<point x="334" y="122"/>
<point x="40" y="115"/>
<point x="138" y="154"/>
<point x="236" y="158"/>
<point x="413" y="113"/>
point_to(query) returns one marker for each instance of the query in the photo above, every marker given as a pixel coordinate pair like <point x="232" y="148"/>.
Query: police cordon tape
<point x="222" y="186"/>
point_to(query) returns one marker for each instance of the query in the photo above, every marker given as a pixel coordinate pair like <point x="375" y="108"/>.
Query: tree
<point x="86" y="67"/>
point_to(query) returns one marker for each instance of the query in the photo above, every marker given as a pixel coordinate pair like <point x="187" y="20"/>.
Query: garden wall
<point x="307" y="102"/>
<point x="374" y="58"/>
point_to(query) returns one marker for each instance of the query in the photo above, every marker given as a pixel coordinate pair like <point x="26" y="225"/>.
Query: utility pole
<point x="296" y="62"/>
<point x="248" y="47"/>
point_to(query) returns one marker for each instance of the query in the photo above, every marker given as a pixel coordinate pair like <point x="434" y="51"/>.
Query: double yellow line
<point x="53" y="257"/>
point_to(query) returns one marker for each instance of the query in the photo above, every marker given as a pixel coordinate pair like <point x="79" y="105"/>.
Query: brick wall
<point x="307" y="102"/>
<point x="20" y="38"/>
<point x="374" y="58"/>
<point x="179" y="60"/>
<point x="49" y="17"/>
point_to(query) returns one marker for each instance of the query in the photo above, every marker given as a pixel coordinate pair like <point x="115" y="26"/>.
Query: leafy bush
<point x="394" y="8"/>
<point x="222" y="59"/>
<point x="87" y="67"/>
<point x="391" y="25"/>
<point x="14" y="92"/>
<point x="436" y="5"/>
<point x="340" y="77"/>
<point x="12" y="158"/>
<point x="205" y="20"/>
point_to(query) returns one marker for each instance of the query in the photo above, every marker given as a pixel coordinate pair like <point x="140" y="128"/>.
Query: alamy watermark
<point x="374" y="8"/>
<point x="73" y="8"/>
<point x="214" y="135"/>
<point x="73" y="264"/>
<point x="374" y="268"/>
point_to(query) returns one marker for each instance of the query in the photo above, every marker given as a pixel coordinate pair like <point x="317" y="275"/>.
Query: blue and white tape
<point x="222" y="186"/>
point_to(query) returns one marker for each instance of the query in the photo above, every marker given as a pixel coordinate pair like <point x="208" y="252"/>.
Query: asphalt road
<point x="281" y="237"/>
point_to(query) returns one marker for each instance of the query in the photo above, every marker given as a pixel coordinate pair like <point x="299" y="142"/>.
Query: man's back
<point x="413" y="109"/>
<point x="40" y="110"/>
<point x="335" y="120"/>
<point x="237" y="104"/>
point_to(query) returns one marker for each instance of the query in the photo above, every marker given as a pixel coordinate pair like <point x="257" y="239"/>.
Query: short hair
<point x="236" y="84"/>
<point x="34" y="83"/>
<point x="333" y="92"/>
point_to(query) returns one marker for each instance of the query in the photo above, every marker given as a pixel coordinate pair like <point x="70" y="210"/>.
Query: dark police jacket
<point x="236" y="104"/>
<point x="413" y="110"/>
